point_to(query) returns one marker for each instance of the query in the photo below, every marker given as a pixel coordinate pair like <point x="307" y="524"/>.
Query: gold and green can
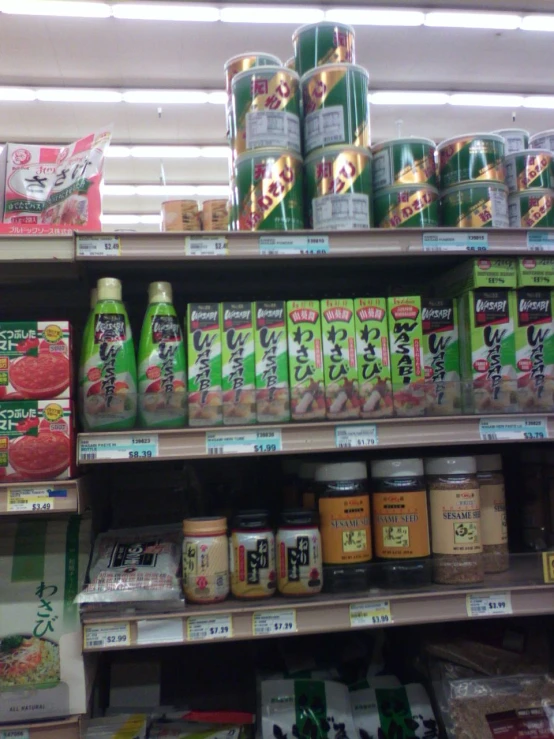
<point x="531" y="208"/>
<point x="475" y="205"/>
<point x="407" y="161"/>
<point x="529" y="170"/>
<point x="338" y="188"/>
<point x="242" y="62"/>
<point x="471" y="157"/>
<point x="407" y="206"/>
<point x="322" y="43"/>
<point x="265" y="110"/>
<point x="336" y="110"/>
<point x="270" y="190"/>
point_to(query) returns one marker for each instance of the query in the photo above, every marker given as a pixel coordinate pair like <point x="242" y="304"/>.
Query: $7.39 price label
<point x="204" y="628"/>
<point x="273" y="622"/>
<point x="370" y="614"/>
<point x="102" y="636"/>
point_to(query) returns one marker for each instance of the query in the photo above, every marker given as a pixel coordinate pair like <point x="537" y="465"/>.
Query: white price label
<point x="290" y="245"/>
<point x="14" y="734"/>
<point x="455" y="242"/>
<point x="356" y="437"/>
<point x="261" y="441"/>
<point x="33" y="499"/>
<point x="102" y="636"/>
<point x="204" y="628"/>
<point x="506" y="429"/>
<point x="370" y="614"/>
<point x="206" y="246"/>
<point x="128" y="446"/>
<point x="494" y="604"/>
<point x="160" y="631"/>
<point x="540" y="240"/>
<point x="98" y="246"/>
<point x="273" y="622"/>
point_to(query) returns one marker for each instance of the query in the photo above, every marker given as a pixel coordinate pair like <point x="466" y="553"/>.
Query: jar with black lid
<point x="400" y="515"/>
<point x="252" y="555"/>
<point x="299" y="566"/>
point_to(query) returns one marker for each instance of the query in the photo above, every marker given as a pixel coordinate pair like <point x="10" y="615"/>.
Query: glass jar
<point x="299" y="566"/>
<point x="205" y="559"/>
<point x="252" y="556"/>
<point x="291" y="483"/>
<point x="494" y="528"/>
<point x="534" y="507"/>
<point x="401" y="521"/>
<point x="455" y="520"/>
<point x="307" y="487"/>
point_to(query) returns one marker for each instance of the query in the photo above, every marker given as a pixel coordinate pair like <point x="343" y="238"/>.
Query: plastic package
<point x="394" y="711"/>
<point x="126" y="726"/>
<point x="192" y="730"/>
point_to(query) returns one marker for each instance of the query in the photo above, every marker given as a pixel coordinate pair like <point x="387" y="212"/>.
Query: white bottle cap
<point x="343" y="471"/>
<point x="93" y="297"/>
<point x="450" y="466"/>
<point x="489" y="463"/>
<point x="109" y="288"/>
<point x="382" y="468"/>
<point x="160" y="292"/>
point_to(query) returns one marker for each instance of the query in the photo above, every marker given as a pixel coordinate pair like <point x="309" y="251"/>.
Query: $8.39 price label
<point x="265" y="623"/>
<point x="204" y="628"/>
<point x="370" y="614"/>
<point x="107" y="636"/>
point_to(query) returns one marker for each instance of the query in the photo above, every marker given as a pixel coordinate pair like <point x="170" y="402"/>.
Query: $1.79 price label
<point x="204" y="628"/>
<point x="107" y="636"/>
<point x="265" y="623"/>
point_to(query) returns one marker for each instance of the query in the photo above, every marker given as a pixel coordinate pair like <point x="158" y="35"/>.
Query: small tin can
<point x="408" y="161"/>
<point x="338" y="188"/>
<point x="471" y="157"/>
<point x="475" y="205"/>
<point x="252" y="556"/>
<point x="215" y="215"/>
<point x="270" y="191"/>
<point x="241" y="62"/>
<point x="409" y="206"/>
<point x="299" y="562"/>
<point x="542" y="140"/>
<point x="531" y="208"/>
<point x="515" y="139"/>
<point x="336" y="109"/>
<point x="322" y="43"/>
<point x="529" y="170"/>
<point x="205" y="560"/>
<point x="180" y="215"/>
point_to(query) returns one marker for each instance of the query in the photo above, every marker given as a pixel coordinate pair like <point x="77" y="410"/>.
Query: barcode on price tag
<point x="290" y="245"/>
<point x="455" y="242"/>
<point x="262" y="441"/>
<point x="370" y="614"/>
<point x="31" y="499"/>
<point x="128" y="446"/>
<point x="204" y="628"/>
<point x="356" y="437"/>
<point x="273" y="622"/>
<point x="98" y="246"/>
<point x="540" y="240"/>
<point x="493" y="604"/>
<point x="206" y="246"/>
<point x="506" y="429"/>
<point x="102" y="636"/>
<point x="14" y="734"/>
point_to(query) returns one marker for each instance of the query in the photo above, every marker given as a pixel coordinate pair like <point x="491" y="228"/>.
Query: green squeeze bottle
<point x="161" y="363"/>
<point x="107" y="370"/>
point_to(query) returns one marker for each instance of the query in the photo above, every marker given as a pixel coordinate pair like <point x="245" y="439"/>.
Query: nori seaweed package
<point x="397" y="712"/>
<point x="305" y="709"/>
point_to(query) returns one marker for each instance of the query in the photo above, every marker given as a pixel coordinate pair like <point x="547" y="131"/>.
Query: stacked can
<point x="472" y="181"/>
<point x="405" y="184"/>
<point x="337" y="167"/>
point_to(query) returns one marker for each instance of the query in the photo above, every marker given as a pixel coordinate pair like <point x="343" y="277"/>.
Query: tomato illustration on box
<point x="35" y="360"/>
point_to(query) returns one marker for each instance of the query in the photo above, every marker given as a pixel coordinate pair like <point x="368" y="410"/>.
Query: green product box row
<point x="499" y="273"/>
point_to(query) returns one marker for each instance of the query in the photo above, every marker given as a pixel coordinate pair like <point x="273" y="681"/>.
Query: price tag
<point x="289" y="245"/>
<point x="102" y="636"/>
<point x="548" y="566"/>
<point x="494" y="604"/>
<point x="540" y="240"/>
<point x="506" y="429"/>
<point x="98" y="246"/>
<point x="370" y="614"/>
<point x="273" y="622"/>
<point x="204" y="628"/>
<point x="128" y="446"/>
<point x="160" y="631"/>
<point x="262" y="441"/>
<point x="31" y="499"/>
<point x="456" y="242"/>
<point x="206" y="246"/>
<point x="14" y="734"/>
<point x="356" y="437"/>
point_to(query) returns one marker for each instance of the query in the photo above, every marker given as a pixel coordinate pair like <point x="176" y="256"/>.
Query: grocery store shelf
<point x="38" y="498"/>
<point x="19" y="248"/>
<point x="60" y="729"/>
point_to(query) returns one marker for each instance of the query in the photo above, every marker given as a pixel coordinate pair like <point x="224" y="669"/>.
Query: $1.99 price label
<point x="204" y="628"/>
<point x="370" y="614"/>
<point x="107" y="636"/>
<point x="265" y="623"/>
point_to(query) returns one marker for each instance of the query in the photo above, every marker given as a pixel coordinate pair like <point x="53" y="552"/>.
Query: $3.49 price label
<point x="370" y="614"/>
<point x="33" y="500"/>
<point x="204" y="628"/>
<point x="491" y="604"/>
<point x="107" y="636"/>
<point x="273" y="622"/>
<point x="206" y="246"/>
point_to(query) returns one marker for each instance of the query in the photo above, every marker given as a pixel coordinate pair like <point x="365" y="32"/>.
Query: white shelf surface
<point x="37" y="248"/>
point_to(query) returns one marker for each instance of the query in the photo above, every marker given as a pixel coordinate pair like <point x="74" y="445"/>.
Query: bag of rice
<point x="192" y="730"/>
<point x="128" y="726"/>
<point x="404" y="711"/>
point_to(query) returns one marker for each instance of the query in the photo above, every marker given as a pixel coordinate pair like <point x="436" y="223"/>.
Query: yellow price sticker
<point x="30" y="499"/>
<point x="548" y="566"/>
<point x="377" y="613"/>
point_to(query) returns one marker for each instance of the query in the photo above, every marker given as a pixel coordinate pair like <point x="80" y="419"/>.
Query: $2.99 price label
<point x="204" y="628"/>
<point x="107" y="636"/>
<point x="265" y="623"/>
<point x="370" y="614"/>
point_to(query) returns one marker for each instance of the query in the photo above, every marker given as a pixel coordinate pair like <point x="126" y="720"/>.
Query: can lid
<point x="341" y="471"/>
<point x="489" y="462"/>
<point x="298" y="517"/>
<point x="528" y="152"/>
<point x="337" y="65"/>
<point x="502" y="131"/>
<point x="548" y="132"/>
<point x="307" y="470"/>
<point x="397" y="468"/>
<point x="270" y="68"/>
<point x="473" y="185"/>
<point x="530" y="193"/>
<point x="251" y="520"/>
<point x="404" y="140"/>
<point x="267" y="154"/>
<point x="248" y="54"/>
<point x="491" y="136"/>
<point x="321" y="24"/>
<point x="109" y="288"/>
<point x="450" y="466"/>
<point x="189" y="203"/>
<point x="330" y="152"/>
<point x="209" y="525"/>
<point x="160" y="292"/>
<point x="405" y="188"/>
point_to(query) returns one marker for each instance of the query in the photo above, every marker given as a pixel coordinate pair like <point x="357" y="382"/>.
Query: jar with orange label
<point x="401" y="521"/>
<point x="205" y="559"/>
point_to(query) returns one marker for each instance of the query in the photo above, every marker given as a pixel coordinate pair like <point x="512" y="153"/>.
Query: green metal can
<point x="265" y="110"/>
<point x="322" y="43"/>
<point x="407" y="161"/>
<point x="515" y="139"/>
<point x="242" y="62"/>
<point x="270" y="191"/>
<point x="408" y="206"/>
<point x="529" y="170"/>
<point x="475" y="205"/>
<point x="336" y="110"/>
<point x="531" y="209"/>
<point x="471" y="157"/>
<point x="338" y="189"/>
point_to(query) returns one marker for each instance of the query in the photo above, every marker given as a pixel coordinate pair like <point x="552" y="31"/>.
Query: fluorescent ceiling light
<point x="539" y="101"/>
<point x="119" y="190"/>
<point x="217" y="98"/>
<point x="502" y="21"/>
<point x="213" y="191"/>
<point x="165" y="152"/>
<point x="487" y="101"/>
<point x="162" y="190"/>
<point x="81" y="95"/>
<point x="538" y="23"/>
<point x="409" y="98"/>
<point x="117" y="152"/>
<point x="23" y="94"/>
<point x="215" y="152"/>
<point x="174" y="12"/>
<point x="165" y="97"/>
<point x="368" y="17"/>
<point x="275" y="14"/>
<point x="124" y="219"/>
<point x="56" y="7"/>
<point x="150" y="219"/>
